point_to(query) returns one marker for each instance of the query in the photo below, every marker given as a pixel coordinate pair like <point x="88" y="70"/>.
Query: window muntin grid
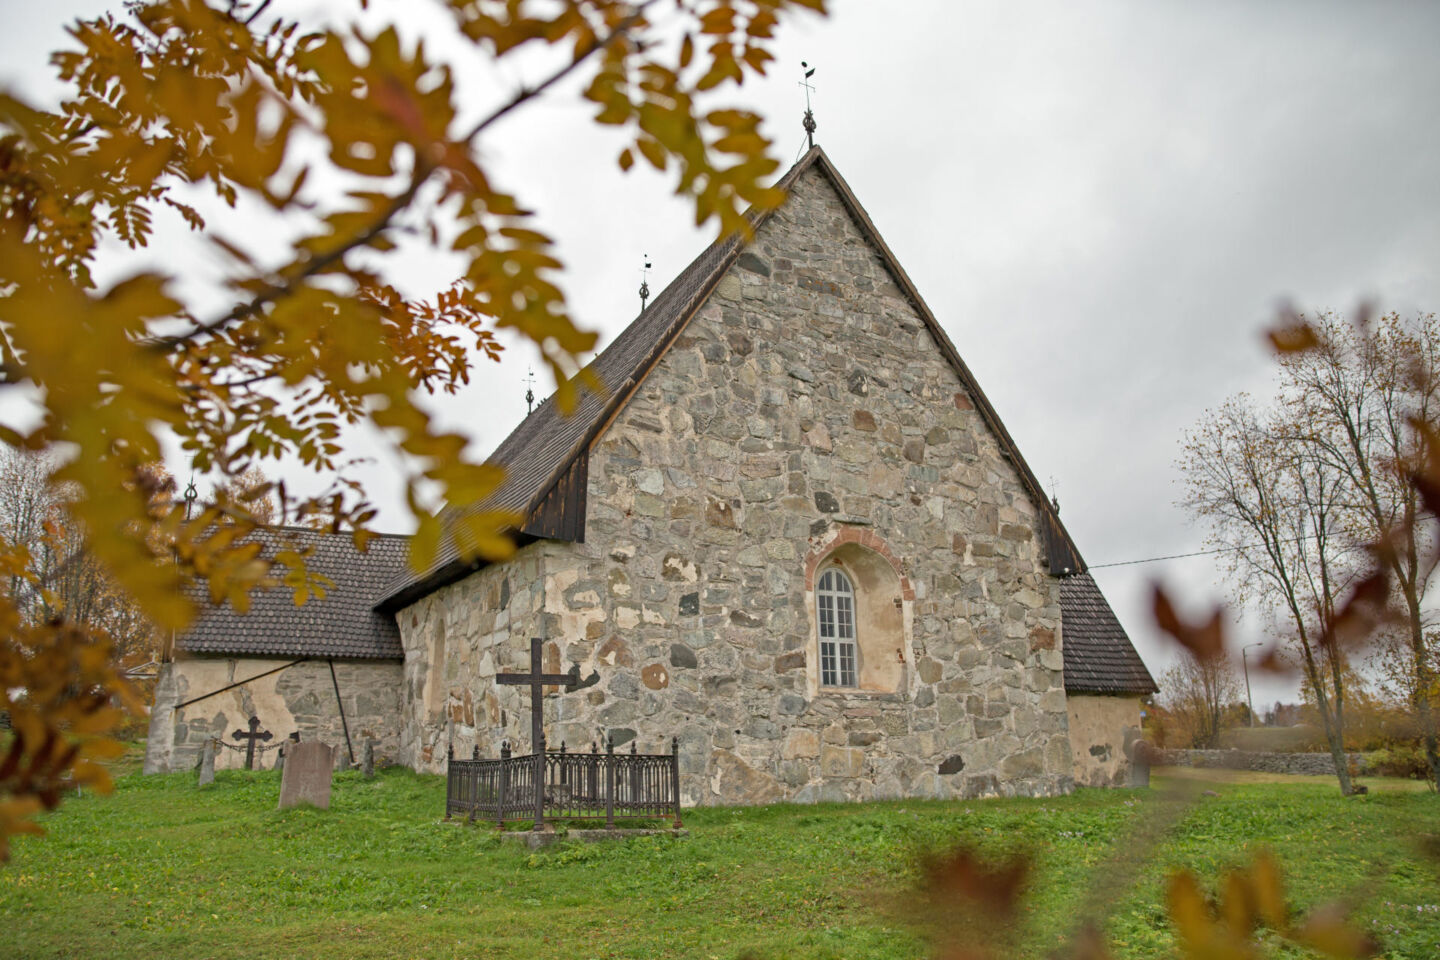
<point x="835" y="606"/>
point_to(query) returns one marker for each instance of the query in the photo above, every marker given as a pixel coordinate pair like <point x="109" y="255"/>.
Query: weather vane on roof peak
<point x="530" y="391"/>
<point x="644" y="282"/>
<point x="809" y="122"/>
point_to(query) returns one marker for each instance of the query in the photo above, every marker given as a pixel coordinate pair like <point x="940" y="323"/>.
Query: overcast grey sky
<point x="1102" y="203"/>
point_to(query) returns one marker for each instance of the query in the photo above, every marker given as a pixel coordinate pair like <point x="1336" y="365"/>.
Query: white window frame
<point x="835" y="620"/>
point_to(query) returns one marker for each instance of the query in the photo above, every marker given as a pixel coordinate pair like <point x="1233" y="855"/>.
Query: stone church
<point x="791" y="531"/>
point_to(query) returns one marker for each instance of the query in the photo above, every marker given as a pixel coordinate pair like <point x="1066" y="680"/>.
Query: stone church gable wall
<point x="804" y="417"/>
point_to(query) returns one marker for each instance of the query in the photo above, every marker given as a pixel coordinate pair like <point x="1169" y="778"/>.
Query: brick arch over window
<point x="882" y="607"/>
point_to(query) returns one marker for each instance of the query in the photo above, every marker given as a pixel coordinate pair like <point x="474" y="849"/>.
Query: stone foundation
<point x="299" y="698"/>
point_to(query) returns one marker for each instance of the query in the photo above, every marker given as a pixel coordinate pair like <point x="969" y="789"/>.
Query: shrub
<point x="1398" y="760"/>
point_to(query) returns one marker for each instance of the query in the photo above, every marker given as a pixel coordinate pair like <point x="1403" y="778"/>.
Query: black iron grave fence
<point x="559" y="785"/>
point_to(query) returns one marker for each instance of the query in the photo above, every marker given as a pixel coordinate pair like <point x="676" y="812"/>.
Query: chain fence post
<point x="675" y="777"/>
<point x="539" y="765"/>
<point x="610" y="781"/>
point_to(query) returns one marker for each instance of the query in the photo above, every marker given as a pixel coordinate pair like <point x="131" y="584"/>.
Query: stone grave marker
<point x="367" y="759"/>
<point x="306" y="778"/>
<point x="207" y="763"/>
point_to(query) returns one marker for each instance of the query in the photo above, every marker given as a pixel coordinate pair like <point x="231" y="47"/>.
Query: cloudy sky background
<point x="1102" y="203"/>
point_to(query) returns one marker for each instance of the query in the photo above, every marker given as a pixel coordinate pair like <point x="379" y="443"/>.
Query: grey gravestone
<point x="1140" y="758"/>
<point x="207" y="763"/>
<point x="367" y="759"/>
<point x="306" y="779"/>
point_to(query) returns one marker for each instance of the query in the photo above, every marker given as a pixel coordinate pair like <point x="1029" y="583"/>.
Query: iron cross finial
<point x="645" y="282"/>
<point x="530" y="391"/>
<point x="191" y="494"/>
<point x="809" y="122"/>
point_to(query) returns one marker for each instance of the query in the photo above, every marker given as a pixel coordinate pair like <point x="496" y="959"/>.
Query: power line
<point x="1210" y="553"/>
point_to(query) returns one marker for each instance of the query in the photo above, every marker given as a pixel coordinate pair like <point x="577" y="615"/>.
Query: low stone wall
<point x="1308" y="764"/>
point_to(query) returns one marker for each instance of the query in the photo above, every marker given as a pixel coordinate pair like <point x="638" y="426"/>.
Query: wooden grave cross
<point x="537" y="680"/>
<point x="255" y="733"/>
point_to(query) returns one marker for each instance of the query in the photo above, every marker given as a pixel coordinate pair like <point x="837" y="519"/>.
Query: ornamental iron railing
<point x="559" y="785"/>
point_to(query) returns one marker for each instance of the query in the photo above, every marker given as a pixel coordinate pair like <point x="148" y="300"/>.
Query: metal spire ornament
<point x="809" y="122"/>
<point x="530" y="391"/>
<point x="645" y="283"/>
<point x="190" y="492"/>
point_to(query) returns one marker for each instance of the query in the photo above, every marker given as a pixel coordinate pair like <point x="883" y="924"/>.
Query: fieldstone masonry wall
<point x="299" y="698"/>
<point x="1308" y="764"/>
<point x="456" y="640"/>
<point x="805" y="416"/>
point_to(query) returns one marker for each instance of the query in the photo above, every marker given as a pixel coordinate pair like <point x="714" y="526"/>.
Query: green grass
<point x="163" y="869"/>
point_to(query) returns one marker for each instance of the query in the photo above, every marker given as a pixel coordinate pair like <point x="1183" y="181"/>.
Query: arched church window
<point x="835" y="607"/>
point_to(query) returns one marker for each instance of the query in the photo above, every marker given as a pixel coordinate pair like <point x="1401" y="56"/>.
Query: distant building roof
<point x="1099" y="657"/>
<point x="341" y="625"/>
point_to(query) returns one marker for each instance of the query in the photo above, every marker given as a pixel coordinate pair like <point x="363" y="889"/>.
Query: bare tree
<point x="69" y="582"/>
<point x="1280" y="509"/>
<point x="1197" y="692"/>
<point x="1362" y="392"/>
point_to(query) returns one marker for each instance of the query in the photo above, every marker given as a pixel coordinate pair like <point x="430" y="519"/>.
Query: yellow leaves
<point x="1205" y="641"/>
<point x="1292" y="338"/>
<point x="56" y="681"/>
<point x="1327" y="932"/>
<point x="1200" y="936"/>
<point x="184" y="92"/>
<point x="15" y="819"/>
<point x="425" y="543"/>
<point x="719" y="21"/>
<point x="373" y="108"/>
<point x="1252" y="896"/>
<point x="653" y="152"/>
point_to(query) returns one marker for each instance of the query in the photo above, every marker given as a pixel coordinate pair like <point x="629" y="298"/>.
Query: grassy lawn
<point x="163" y="869"/>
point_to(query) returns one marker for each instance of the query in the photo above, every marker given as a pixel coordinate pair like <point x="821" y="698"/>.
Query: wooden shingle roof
<point x="1099" y="657"/>
<point x="341" y="625"/>
<point x="545" y="456"/>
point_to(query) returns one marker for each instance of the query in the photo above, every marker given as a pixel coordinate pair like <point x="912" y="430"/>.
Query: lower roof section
<point x="341" y="625"/>
<point x="1099" y="657"/>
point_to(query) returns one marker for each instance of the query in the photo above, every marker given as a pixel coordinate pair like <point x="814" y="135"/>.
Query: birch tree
<point x="1362" y="399"/>
<point x="1278" y="510"/>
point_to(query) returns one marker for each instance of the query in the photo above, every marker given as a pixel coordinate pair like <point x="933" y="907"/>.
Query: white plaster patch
<point x="555" y="587"/>
<point x="685" y="568"/>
